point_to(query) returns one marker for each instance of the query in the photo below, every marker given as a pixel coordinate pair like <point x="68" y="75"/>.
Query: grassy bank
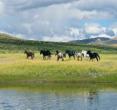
<point x="16" y="70"/>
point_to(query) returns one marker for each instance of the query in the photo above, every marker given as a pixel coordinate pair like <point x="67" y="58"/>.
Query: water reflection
<point x="11" y="99"/>
<point x="93" y="100"/>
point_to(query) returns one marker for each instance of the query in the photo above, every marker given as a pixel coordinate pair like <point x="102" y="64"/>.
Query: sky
<point x="58" y="20"/>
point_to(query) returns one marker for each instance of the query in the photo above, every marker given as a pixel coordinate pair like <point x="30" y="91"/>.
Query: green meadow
<point x="15" y="69"/>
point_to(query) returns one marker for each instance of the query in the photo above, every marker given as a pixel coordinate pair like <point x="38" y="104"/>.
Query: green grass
<point x="16" y="70"/>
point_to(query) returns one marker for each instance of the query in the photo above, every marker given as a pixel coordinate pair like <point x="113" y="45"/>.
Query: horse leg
<point x="69" y="57"/>
<point x="77" y="58"/>
<point x="74" y="57"/>
<point x="81" y="58"/>
<point x="87" y="58"/>
<point x="57" y="58"/>
<point x="97" y="58"/>
<point x="28" y="57"/>
<point x="49" y="57"/>
<point x="32" y="57"/>
<point x="43" y="57"/>
<point x="90" y="59"/>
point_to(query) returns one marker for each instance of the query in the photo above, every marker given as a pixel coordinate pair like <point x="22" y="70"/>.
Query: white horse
<point x="85" y="55"/>
<point x="60" y="55"/>
<point x="79" y="55"/>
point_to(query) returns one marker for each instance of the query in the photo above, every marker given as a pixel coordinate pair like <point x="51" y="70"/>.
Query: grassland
<point x="15" y="69"/>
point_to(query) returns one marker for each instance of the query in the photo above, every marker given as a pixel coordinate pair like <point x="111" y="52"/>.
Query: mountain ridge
<point x="10" y="43"/>
<point x="98" y="40"/>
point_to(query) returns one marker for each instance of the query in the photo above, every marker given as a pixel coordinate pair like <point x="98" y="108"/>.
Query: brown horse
<point x="29" y="54"/>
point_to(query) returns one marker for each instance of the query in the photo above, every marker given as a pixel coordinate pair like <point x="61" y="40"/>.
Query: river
<point x="83" y="99"/>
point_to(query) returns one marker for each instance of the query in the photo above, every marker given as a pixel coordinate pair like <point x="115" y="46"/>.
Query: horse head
<point x="88" y="52"/>
<point x="67" y="51"/>
<point x="64" y="55"/>
<point x="56" y="52"/>
<point x="25" y="52"/>
<point x="41" y="52"/>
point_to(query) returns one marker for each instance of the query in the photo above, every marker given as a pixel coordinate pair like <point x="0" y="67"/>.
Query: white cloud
<point x="114" y="28"/>
<point x="57" y="38"/>
<point x="93" y="28"/>
<point x="101" y="35"/>
<point x="109" y="6"/>
<point x="1" y="8"/>
<point x="59" y="20"/>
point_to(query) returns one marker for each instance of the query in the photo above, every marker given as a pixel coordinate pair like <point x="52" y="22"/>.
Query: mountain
<point x="98" y="40"/>
<point x="112" y="41"/>
<point x="6" y="37"/>
<point x="13" y="44"/>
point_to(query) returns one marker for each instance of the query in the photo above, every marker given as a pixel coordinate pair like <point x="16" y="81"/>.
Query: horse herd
<point x="47" y="54"/>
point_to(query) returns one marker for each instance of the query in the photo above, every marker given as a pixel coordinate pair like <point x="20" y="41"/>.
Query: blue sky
<point x="59" y="20"/>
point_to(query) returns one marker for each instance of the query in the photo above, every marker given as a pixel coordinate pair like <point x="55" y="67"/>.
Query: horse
<point x="79" y="55"/>
<point x="60" y="55"/>
<point x="71" y="53"/>
<point x="93" y="55"/>
<point x="85" y="55"/>
<point x="29" y="54"/>
<point x="45" y="53"/>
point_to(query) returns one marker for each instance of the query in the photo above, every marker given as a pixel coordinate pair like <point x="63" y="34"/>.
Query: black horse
<point x="70" y="53"/>
<point x="46" y="54"/>
<point x="29" y="54"/>
<point x="93" y="55"/>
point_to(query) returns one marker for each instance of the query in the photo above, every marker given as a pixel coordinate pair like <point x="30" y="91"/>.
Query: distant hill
<point x="9" y="43"/>
<point x="7" y="37"/>
<point x="98" y="40"/>
<point x="111" y="41"/>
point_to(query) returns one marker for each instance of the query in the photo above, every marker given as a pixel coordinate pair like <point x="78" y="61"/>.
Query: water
<point x="13" y="99"/>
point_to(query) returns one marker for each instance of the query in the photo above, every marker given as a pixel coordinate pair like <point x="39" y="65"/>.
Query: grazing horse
<point x="79" y="55"/>
<point x="93" y="55"/>
<point x="29" y="54"/>
<point x="71" y="53"/>
<point x="45" y="53"/>
<point x="60" y="55"/>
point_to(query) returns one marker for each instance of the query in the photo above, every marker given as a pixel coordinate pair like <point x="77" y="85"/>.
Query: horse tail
<point x="33" y="55"/>
<point x="82" y="54"/>
<point x="98" y="56"/>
